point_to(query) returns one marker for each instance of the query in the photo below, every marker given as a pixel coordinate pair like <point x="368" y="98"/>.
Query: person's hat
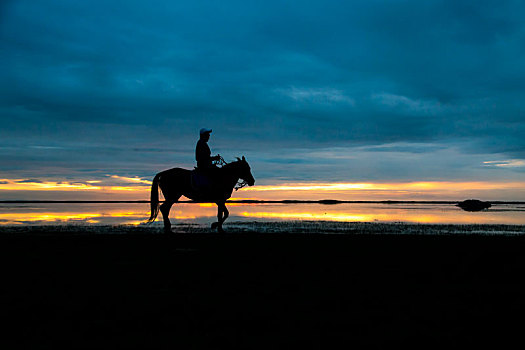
<point x="204" y="131"/>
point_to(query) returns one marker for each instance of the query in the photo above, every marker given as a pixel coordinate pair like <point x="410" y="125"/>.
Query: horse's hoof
<point x="168" y="230"/>
<point x="214" y="225"/>
<point x="220" y="230"/>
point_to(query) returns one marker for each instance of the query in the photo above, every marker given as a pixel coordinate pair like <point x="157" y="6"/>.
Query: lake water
<point x="202" y="213"/>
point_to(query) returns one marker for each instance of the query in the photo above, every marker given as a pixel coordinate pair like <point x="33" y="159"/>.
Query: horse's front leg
<point x="216" y="224"/>
<point x="225" y="213"/>
<point x="222" y="215"/>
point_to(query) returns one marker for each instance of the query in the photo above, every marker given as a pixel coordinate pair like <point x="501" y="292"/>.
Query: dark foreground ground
<point x="262" y="291"/>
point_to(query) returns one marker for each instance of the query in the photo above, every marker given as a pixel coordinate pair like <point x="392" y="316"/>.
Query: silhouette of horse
<point x="178" y="182"/>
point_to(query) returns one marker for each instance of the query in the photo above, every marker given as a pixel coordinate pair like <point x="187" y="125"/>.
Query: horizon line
<point x="251" y="201"/>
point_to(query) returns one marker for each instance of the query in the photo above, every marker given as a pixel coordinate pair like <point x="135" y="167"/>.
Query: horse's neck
<point x="230" y="174"/>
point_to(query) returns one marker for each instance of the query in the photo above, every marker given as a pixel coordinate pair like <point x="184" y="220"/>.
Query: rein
<point x="240" y="184"/>
<point x="220" y="162"/>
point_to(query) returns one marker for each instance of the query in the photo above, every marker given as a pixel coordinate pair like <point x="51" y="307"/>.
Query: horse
<point x="177" y="182"/>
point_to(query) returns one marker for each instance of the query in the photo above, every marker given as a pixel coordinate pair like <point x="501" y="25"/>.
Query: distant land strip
<point x="252" y="201"/>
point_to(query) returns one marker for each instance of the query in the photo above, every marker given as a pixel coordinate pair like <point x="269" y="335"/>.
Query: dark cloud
<point x="29" y="181"/>
<point x="125" y="86"/>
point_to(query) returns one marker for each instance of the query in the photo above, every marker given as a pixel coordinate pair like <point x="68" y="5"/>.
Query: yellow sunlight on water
<point x="20" y="218"/>
<point x="72" y="217"/>
<point x="430" y="218"/>
<point x="370" y="212"/>
<point x="137" y="213"/>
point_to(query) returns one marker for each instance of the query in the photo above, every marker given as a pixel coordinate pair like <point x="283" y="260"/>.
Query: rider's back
<point x="203" y="155"/>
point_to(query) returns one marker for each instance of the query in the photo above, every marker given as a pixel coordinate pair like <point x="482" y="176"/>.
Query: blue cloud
<point x="100" y="85"/>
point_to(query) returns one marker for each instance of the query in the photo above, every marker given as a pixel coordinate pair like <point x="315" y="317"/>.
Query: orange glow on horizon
<point x="421" y="190"/>
<point x="125" y="188"/>
<point x="131" y="179"/>
<point x="401" y="186"/>
<point x="426" y="190"/>
<point x="24" y="185"/>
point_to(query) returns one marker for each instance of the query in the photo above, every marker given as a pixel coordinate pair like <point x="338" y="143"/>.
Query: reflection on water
<point x="137" y="213"/>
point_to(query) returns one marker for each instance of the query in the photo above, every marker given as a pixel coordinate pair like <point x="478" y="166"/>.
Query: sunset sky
<point x="355" y="100"/>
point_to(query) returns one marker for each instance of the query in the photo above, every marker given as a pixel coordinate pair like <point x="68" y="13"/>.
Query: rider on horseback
<point x="206" y="175"/>
<point x="203" y="153"/>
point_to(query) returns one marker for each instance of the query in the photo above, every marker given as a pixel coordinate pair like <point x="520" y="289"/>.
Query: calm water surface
<point x="137" y="213"/>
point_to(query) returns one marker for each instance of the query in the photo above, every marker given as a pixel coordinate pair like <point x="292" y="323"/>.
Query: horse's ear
<point x="239" y="159"/>
<point x="243" y="159"/>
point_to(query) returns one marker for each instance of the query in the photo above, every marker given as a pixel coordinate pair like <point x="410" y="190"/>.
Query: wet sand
<point x="253" y="290"/>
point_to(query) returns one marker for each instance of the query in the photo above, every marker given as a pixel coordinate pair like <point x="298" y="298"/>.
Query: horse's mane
<point x="231" y="164"/>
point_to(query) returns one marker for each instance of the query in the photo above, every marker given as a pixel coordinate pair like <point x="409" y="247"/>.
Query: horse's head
<point x="245" y="172"/>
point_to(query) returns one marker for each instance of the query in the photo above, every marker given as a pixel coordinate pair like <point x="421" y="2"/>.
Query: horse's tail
<point x="154" y="199"/>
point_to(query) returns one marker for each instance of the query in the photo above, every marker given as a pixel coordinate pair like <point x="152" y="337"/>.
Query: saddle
<point x="203" y="182"/>
<point x="200" y="181"/>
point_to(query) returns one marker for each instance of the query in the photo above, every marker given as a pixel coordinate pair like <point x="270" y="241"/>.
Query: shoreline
<point x="281" y="227"/>
<point x="256" y="201"/>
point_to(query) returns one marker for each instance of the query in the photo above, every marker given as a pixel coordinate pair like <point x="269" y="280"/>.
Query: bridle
<point x="240" y="183"/>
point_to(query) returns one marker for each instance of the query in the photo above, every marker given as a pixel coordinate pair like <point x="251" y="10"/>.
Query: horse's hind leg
<point x="165" y="210"/>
